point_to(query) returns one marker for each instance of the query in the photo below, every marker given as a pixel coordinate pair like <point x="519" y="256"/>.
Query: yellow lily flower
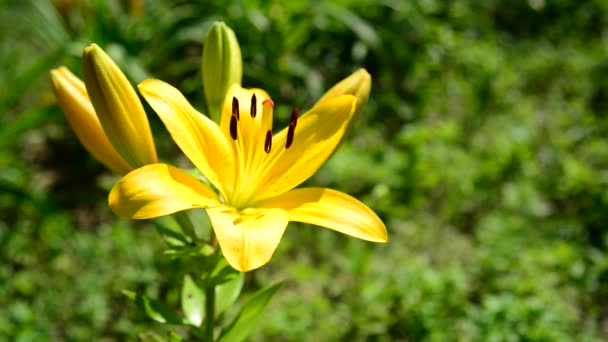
<point x="118" y="107"/>
<point x="75" y="103"/>
<point x="254" y="172"/>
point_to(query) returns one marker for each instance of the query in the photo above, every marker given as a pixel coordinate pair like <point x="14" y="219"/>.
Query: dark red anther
<point x="290" y="132"/>
<point x="233" y="120"/>
<point x="294" y="117"/>
<point x="293" y="122"/>
<point x="268" y="142"/>
<point x="254" y="106"/>
<point x="235" y="108"/>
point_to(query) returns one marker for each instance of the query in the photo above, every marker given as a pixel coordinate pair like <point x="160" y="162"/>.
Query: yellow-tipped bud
<point x="222" y="66"/>
<point x="358" y="84"/>
<point x="74" y="101"/>
<point x="118" y="108"/>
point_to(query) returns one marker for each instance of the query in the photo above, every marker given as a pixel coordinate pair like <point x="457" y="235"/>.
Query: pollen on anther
<point x="233" y="120"/>
<point x="290" y="132"/>
<point x="254" y="106"/>
<point x="268" y="142"/>
<point x="235" y="108"/>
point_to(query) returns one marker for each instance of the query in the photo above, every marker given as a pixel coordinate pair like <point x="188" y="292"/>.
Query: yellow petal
<point x="74" y="101"/>
<point x="331" y="209"/>
<point x="358" y="84"/>
<point x="197" y="136"/>
<point x="118" y="107"/>
<point x="158" y="189"/>
<point x="248" y="237"/>
<point x="317" y="134"/>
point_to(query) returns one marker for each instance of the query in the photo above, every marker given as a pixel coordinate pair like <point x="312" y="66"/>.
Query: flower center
<point x="234" y="119"/>
<point x="253" y="143"/>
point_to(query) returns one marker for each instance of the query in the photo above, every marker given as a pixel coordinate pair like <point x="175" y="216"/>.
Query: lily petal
<point x="159" y="189"/>
<point x="197" y="136"/>
<point x="249" y="237"/>
<point x="317" y="134"/>
<point x="331" y="209"/>
<point x="359" y="84"/>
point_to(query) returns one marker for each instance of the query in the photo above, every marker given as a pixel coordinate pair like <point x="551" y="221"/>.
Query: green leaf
<point x="183" y="220"/>
<point x="171" y="237"/>
<point x="219" y="271"/>
<point x="249" y="316"/>
<point x="227" y="293"/>
<point x="193" y="302"/>
<point x="155" y="310"/>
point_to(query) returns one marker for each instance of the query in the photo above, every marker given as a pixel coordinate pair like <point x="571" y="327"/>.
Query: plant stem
<point x="209" y="312"/>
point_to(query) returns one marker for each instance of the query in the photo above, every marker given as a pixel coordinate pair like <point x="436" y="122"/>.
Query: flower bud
<point x="74" y="101"/>
<point x="358" y="84"/>
<point x="118" y="108"/>
<point x="222" y="66"/>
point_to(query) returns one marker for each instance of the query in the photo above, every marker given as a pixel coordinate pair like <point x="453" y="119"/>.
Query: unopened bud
<point x="118" y="108"/>
<point x="222" y="66"/>
<point x="74" y="101"/>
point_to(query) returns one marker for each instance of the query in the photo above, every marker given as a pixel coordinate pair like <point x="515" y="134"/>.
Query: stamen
<point x="292" y="127"/>
<point x="268" y="142"/>
<point x="235" y="108"/>
<point x="233" y="120"/>
<point x="254" y="108"/>
<point x="290" y="131"/>
<point x="294" y="117"/>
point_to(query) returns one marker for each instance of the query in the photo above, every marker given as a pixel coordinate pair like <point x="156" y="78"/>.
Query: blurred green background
<point x="483" y="148"/>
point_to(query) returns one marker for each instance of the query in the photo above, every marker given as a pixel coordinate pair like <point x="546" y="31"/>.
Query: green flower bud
<point x="222" y="66"/>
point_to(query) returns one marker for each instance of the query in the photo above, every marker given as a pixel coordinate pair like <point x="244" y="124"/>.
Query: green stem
<point x="183" y="220"/>
<point x="209" y="312"/>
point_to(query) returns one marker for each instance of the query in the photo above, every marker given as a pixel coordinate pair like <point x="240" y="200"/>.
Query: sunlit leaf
<point x="228" y="292"/>
<point x="173" y="337"/>
<point x="249" y="316"/>
<point x="193" y="301"/>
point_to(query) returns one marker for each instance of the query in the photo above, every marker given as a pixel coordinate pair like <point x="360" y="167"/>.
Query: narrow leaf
<point x="249" y="316"/>
<point x="171" y="237"/>
<point x="155" y="310"/>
